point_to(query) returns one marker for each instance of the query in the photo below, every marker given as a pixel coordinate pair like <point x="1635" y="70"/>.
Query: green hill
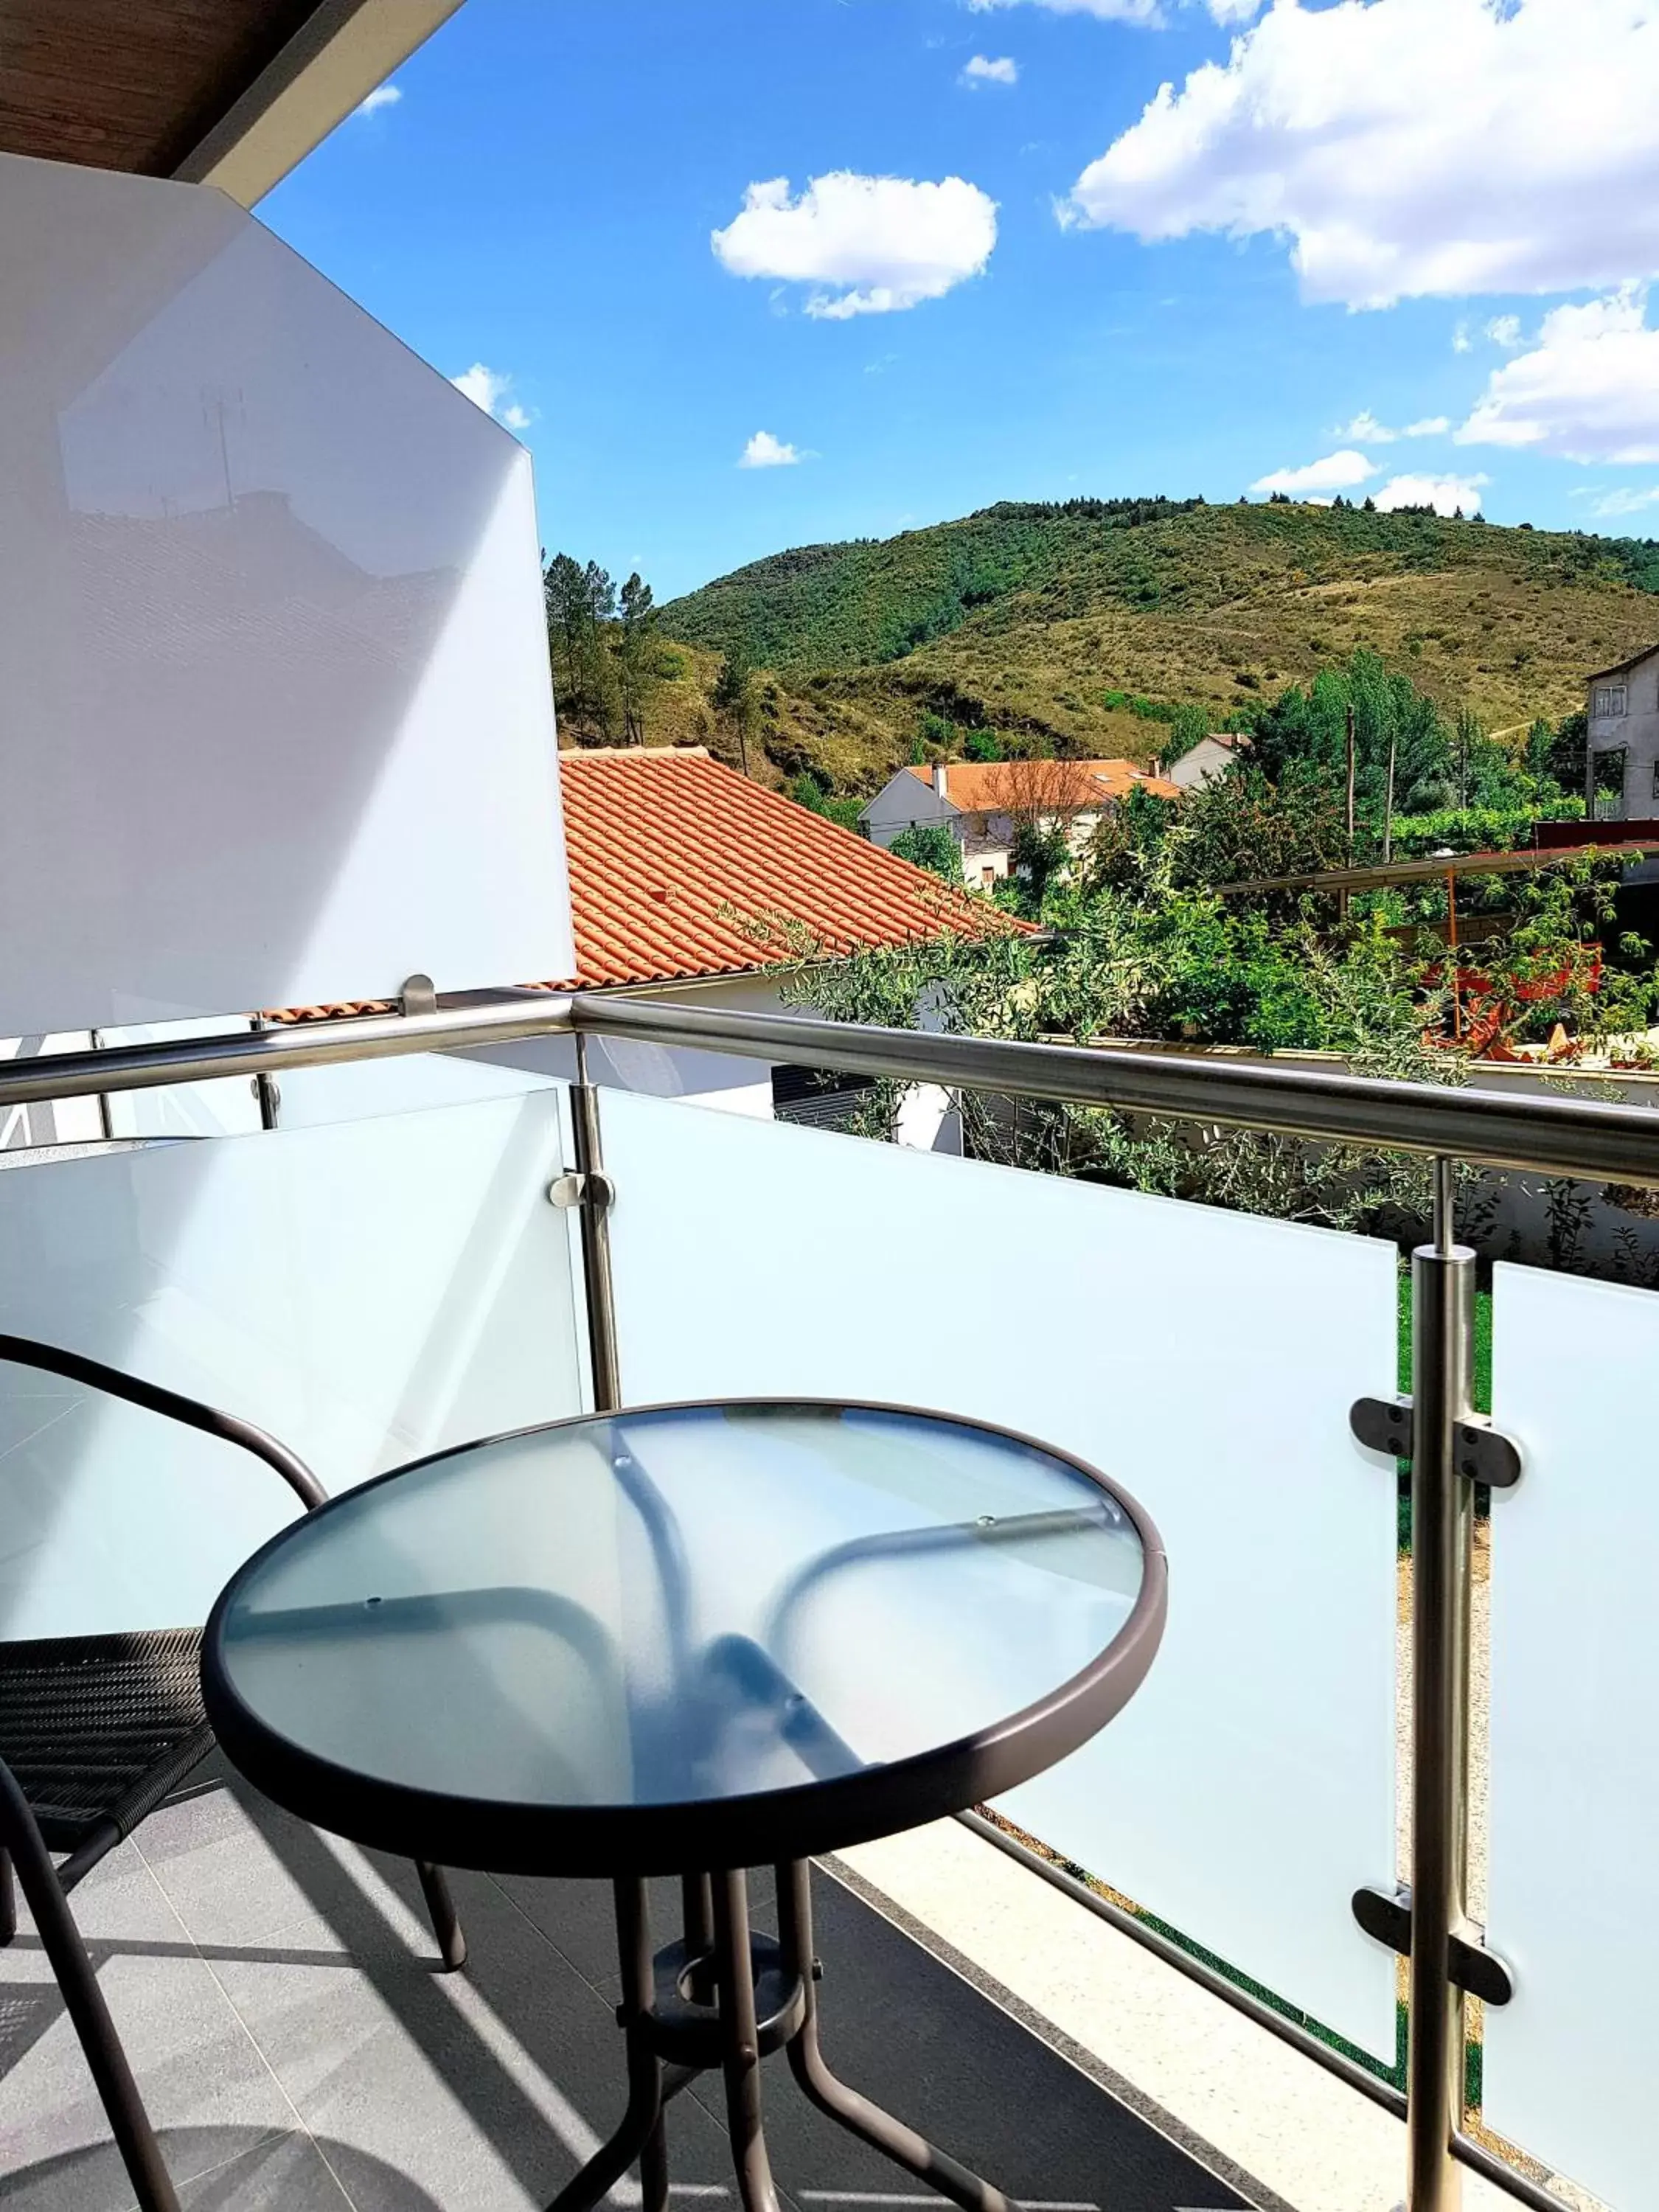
<point x="1028" y="619"/>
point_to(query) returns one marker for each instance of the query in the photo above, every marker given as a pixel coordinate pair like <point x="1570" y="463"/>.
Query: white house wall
<point x="903" y="803"/>
<point x="1636" y="731"/>
<point x="275" y="721"/>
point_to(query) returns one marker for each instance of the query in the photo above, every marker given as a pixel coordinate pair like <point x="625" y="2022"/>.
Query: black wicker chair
<point x="95" y="1732"/>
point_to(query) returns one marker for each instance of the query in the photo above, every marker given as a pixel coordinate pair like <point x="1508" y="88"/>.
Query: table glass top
<point x="669" y="1606"/>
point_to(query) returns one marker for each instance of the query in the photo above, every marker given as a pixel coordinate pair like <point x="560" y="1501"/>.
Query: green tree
<point x="1144" y="958"/>
<point x="1565" y="756"/>
<point x="982" y="745"/>
<point x="580" y="602"/>
<point x="930" y="845"/>
<point x="1040" y="856"/>
<point x="811" y="789"/>
<point x="638" y="655"/>
<point x="735" y="700"/>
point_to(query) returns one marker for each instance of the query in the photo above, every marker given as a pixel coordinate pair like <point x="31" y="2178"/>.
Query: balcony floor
<point x="276" y="1995"/>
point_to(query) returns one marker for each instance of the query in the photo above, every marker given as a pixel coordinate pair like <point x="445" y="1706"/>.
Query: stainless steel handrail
<point x="1551" y="1136"/>
<point x="267" y="1052"/>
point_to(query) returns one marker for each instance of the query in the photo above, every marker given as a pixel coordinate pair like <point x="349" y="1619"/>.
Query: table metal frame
<point x="725" y="1997"/>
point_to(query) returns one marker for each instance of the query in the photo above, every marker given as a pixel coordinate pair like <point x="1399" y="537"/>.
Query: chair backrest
<point x="171" y="1405"/>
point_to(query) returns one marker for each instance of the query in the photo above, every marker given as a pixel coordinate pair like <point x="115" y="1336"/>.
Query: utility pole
<point x="1342" y="904"/>
<point x="1388" y="803"/>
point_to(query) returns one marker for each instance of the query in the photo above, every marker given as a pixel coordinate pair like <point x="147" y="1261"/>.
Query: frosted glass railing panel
<point x="226" y="1107"/>
<point x="308" y="1097"/>
<point x="1574" y="1816"/>
<point x="366" y="1292"/>
<point x="278" y="727"/>
<point x="1205" y="1360"/>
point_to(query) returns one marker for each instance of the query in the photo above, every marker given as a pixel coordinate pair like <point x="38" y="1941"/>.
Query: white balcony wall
<point x="1574" y="1815"/>
<point x="1206" y="1361"/>
<point x="277" y="716"/>
<point x="366" y="1292"/>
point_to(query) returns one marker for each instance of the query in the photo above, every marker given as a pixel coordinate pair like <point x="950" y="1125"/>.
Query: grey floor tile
<point x="207" y="1815"/>
<point x="118" y="1899"/>
<point x="575" y="1916"/>
<point x="287" y="2173"/>
<point x="486" y="2090"/>
<point x="92" y="2178"/>
<point x="196" y="2064"/>
<point x="236" y="1888"/>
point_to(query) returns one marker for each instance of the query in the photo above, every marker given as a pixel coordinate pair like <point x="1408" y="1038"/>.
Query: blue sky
<point x="1306" y="242"/>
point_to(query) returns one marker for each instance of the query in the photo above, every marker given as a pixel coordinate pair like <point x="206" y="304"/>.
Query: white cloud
<point x="384" y="95"/>
<point x="1461" y="342"/>
<point x="1336" y="472"/>
<point x="1004" y="70"/>
<point x="1410" y="147"/>
<point x="1587" y="388"/>
<point x="884" y="242"/>
<point x="1149" y="13"/>
<point x="1504" y="331"/>
<point x="489" y="388"/>
<point x="764" y="450"/>
<point x="1627" y="500"/>
<point x="1366" y="430"/>
<point x="1443" y="493"/>
<point x="1108" y="11"/>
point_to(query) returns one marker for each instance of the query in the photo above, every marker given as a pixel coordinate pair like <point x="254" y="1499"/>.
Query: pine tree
<point x="638" y="659"/>
<point x="579" y="601"/>
<point x="734" y="698"/>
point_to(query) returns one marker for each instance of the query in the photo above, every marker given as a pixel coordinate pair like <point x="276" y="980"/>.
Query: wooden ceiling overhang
<point x="232" y="93"/>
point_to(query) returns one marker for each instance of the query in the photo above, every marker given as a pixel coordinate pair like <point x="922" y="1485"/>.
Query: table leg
<point x="853" y="2112"/>
<point x="740" y="2061"/>
<point x="640" y="2133"/>
<point x="697" y="1906"/>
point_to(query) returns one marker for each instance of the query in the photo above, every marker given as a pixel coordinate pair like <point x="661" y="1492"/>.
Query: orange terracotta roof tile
<point x="679" y="866"/>
<point x="982" y="786"/>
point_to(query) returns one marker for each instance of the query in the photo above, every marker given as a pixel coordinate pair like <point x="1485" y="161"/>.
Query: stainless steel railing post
<point x="594" y="1209"/>
<point x="1443" y="1341"/>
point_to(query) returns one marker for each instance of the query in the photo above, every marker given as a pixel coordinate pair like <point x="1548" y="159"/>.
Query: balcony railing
<point x="375" y="1288"/>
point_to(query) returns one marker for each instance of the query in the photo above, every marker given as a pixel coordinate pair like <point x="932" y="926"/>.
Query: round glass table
<point x="690" y="1639"/>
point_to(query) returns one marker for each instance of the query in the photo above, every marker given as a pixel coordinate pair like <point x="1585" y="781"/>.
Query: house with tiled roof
<point x="983" y="804"/>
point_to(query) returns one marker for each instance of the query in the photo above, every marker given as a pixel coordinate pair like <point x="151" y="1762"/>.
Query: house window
<point x="1609" y="699"/>
<point x="1608" y="785"/>
<point x="819" y="1098"/>
<point x="1656" y="780"/>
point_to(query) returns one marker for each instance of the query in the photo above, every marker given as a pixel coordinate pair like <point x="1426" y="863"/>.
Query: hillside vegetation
<point x="1043" y="623"/>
